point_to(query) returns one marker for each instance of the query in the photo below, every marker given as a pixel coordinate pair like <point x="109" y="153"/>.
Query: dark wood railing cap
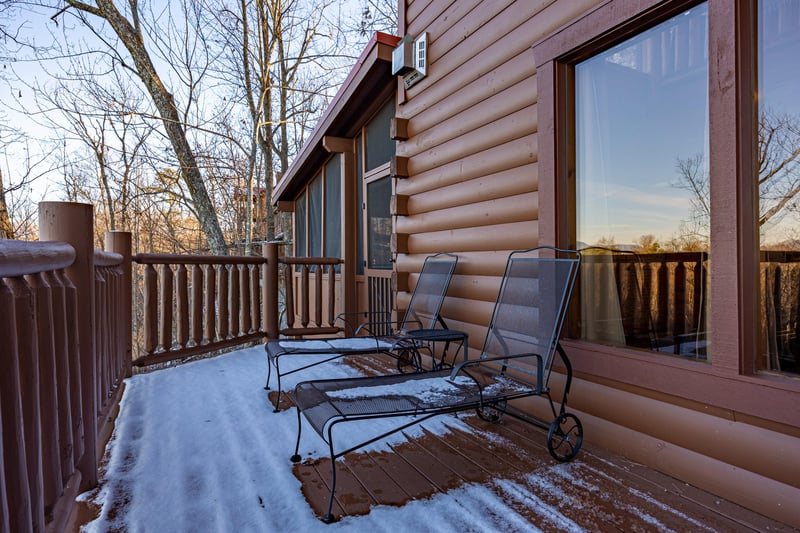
<point x="18" y="258"/>
<point x="176" y="259"/>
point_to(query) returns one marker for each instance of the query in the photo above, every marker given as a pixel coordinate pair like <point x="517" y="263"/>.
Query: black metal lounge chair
<point x="515" y="362"/>
<point x="379" y="335"/>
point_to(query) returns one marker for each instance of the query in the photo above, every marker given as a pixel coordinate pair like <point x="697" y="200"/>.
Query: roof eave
<point x="373" y="68"/>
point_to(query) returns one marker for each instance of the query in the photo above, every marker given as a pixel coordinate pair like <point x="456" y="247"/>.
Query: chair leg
<point x="296" y="457"/>
<point x="278" y="377"/>
<point x="269" y="373"/>
<point x="328" y="518"/>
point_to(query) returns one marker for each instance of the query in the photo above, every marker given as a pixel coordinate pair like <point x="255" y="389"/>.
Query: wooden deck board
<point x="598" y="491"/>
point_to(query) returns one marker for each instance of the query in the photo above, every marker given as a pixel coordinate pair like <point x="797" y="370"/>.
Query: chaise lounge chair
<point x="377" y="336"/>
<point x="515" y="362"/>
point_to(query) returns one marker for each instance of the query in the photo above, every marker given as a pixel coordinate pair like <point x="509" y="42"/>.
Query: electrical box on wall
<point x="410" y="59"/>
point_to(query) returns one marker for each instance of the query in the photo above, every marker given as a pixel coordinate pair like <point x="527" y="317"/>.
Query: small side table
<point x="426" y="339"/>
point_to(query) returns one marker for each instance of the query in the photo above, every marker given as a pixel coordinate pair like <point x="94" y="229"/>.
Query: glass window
<point x="333" y="207"/>
<point x="380" y="146"/>
<point x="379" y="230"/>
<point x="778" y="172"/>
<point x="300" y="225"/>
<point x="315" y="217"/>
<point x="642" y="188"/>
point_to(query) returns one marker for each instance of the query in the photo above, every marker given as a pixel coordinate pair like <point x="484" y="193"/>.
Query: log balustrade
<point x="66" y="330"/>
<point x="195" y="304"/>
<point x="65" y="350"/>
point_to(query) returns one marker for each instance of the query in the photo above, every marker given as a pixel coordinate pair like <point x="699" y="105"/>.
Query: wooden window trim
<point x="734" y="236"/>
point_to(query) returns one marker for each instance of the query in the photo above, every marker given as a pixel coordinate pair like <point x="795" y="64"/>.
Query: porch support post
<point x="120" y="242"/>
<point x="269" y="291"/>
<point x="73" y="223"/>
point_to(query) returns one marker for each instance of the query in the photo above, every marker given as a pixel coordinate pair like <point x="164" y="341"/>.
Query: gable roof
<point x="353" y="104"/>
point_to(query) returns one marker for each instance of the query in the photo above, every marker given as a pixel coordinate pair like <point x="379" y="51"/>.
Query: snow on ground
<point x="197" y="448"/>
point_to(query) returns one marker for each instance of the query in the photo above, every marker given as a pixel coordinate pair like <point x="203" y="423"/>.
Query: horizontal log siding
<point x="514" y="181"/>
<point x="519" y="208"/>
<point x="472" y="158"/>
<point x="512" y="114"/>
<point x="497" y="159"/>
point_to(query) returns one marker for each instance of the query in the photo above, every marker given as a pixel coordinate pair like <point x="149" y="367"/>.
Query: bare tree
<point x="273" y="44"/>
<point x="6" y="229"/>
<point x="129" y="29"/>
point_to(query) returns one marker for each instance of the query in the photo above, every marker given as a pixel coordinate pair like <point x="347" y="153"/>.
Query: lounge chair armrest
<point x="477" y="362"/>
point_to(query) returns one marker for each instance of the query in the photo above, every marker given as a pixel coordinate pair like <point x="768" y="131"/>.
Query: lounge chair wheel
<point x="492" y="412"/>
<point x="295" y="458"/>
<point x="565" y="437"/>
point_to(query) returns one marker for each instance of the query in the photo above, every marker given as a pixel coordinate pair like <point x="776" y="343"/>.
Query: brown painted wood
<point x="209" y="310"/>
<point x="196" y="336"/>
<point x="493" y="133"/>
<point x="233" y="302"/>
<point x="517" y="208"/>
<point x="182" y="302"/>
<point x="521" y="151"/>
<point x="513" y="236"/>
<point x="223" y="322"/>
<point x="518" y="180"/>
<point x="15" y="471"/>
<point x="62" y="373"/>
<point x="165" y="304"/>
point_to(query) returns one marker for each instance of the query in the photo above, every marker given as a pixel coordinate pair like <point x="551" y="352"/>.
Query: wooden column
<point x="269" y="288"/>
<point x="74" y="223"/>
<point x="120" y="242"/>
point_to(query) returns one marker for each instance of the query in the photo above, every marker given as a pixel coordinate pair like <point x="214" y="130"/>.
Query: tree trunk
<point x="163" y="100"/>
<point x="6" y="229"/>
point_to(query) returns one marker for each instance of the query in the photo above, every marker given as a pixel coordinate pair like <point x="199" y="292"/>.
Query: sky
<point x="19" y="72"/>
<point x="197" y="448"/>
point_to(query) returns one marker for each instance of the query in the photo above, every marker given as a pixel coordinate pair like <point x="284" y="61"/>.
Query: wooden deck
<point x="598" y="491"/>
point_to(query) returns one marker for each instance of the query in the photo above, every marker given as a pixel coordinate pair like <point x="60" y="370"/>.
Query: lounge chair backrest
<point x="426" y="300"/>
<point x="531" y="305"/>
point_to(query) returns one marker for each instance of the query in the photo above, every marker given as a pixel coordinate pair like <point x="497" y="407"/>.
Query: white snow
<point x="197" y="448"/>
<point x="352" y="343"/>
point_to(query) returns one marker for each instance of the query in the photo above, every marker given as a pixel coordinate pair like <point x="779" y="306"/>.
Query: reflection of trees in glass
<point x="778" y="160"/>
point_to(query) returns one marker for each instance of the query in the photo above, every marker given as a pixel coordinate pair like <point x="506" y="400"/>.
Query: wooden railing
<point x="303" y="293"/>
<point x="65" y="334"/>
<point x="780" y="311"/>
<point x="66" y="329"/>
<point x="662" y="296"/>
<point x="195" y="304"/>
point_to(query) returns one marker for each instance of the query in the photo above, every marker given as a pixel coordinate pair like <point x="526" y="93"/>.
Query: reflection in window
<point x="379" y="220"/>
<point x="778" y="160"/>
<point x="641" y="189"/>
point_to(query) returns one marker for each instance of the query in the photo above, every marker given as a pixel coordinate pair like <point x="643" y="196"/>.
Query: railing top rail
<point x="178" y="259"/>
<point x="311" y="260"/>
<point x="19" y="258"/>
<point x="107" y="259"/>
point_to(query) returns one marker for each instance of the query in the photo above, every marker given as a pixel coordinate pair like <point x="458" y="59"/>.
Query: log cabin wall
<point x="471" y="148"/>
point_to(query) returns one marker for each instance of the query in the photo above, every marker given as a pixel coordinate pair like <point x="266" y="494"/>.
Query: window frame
<point x="734" y="242"/>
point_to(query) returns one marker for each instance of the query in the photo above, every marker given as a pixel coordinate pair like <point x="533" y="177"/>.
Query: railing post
<point x="120" y="242"/>
<point x="269" y="301"/>
<point x="74" y="223"/>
